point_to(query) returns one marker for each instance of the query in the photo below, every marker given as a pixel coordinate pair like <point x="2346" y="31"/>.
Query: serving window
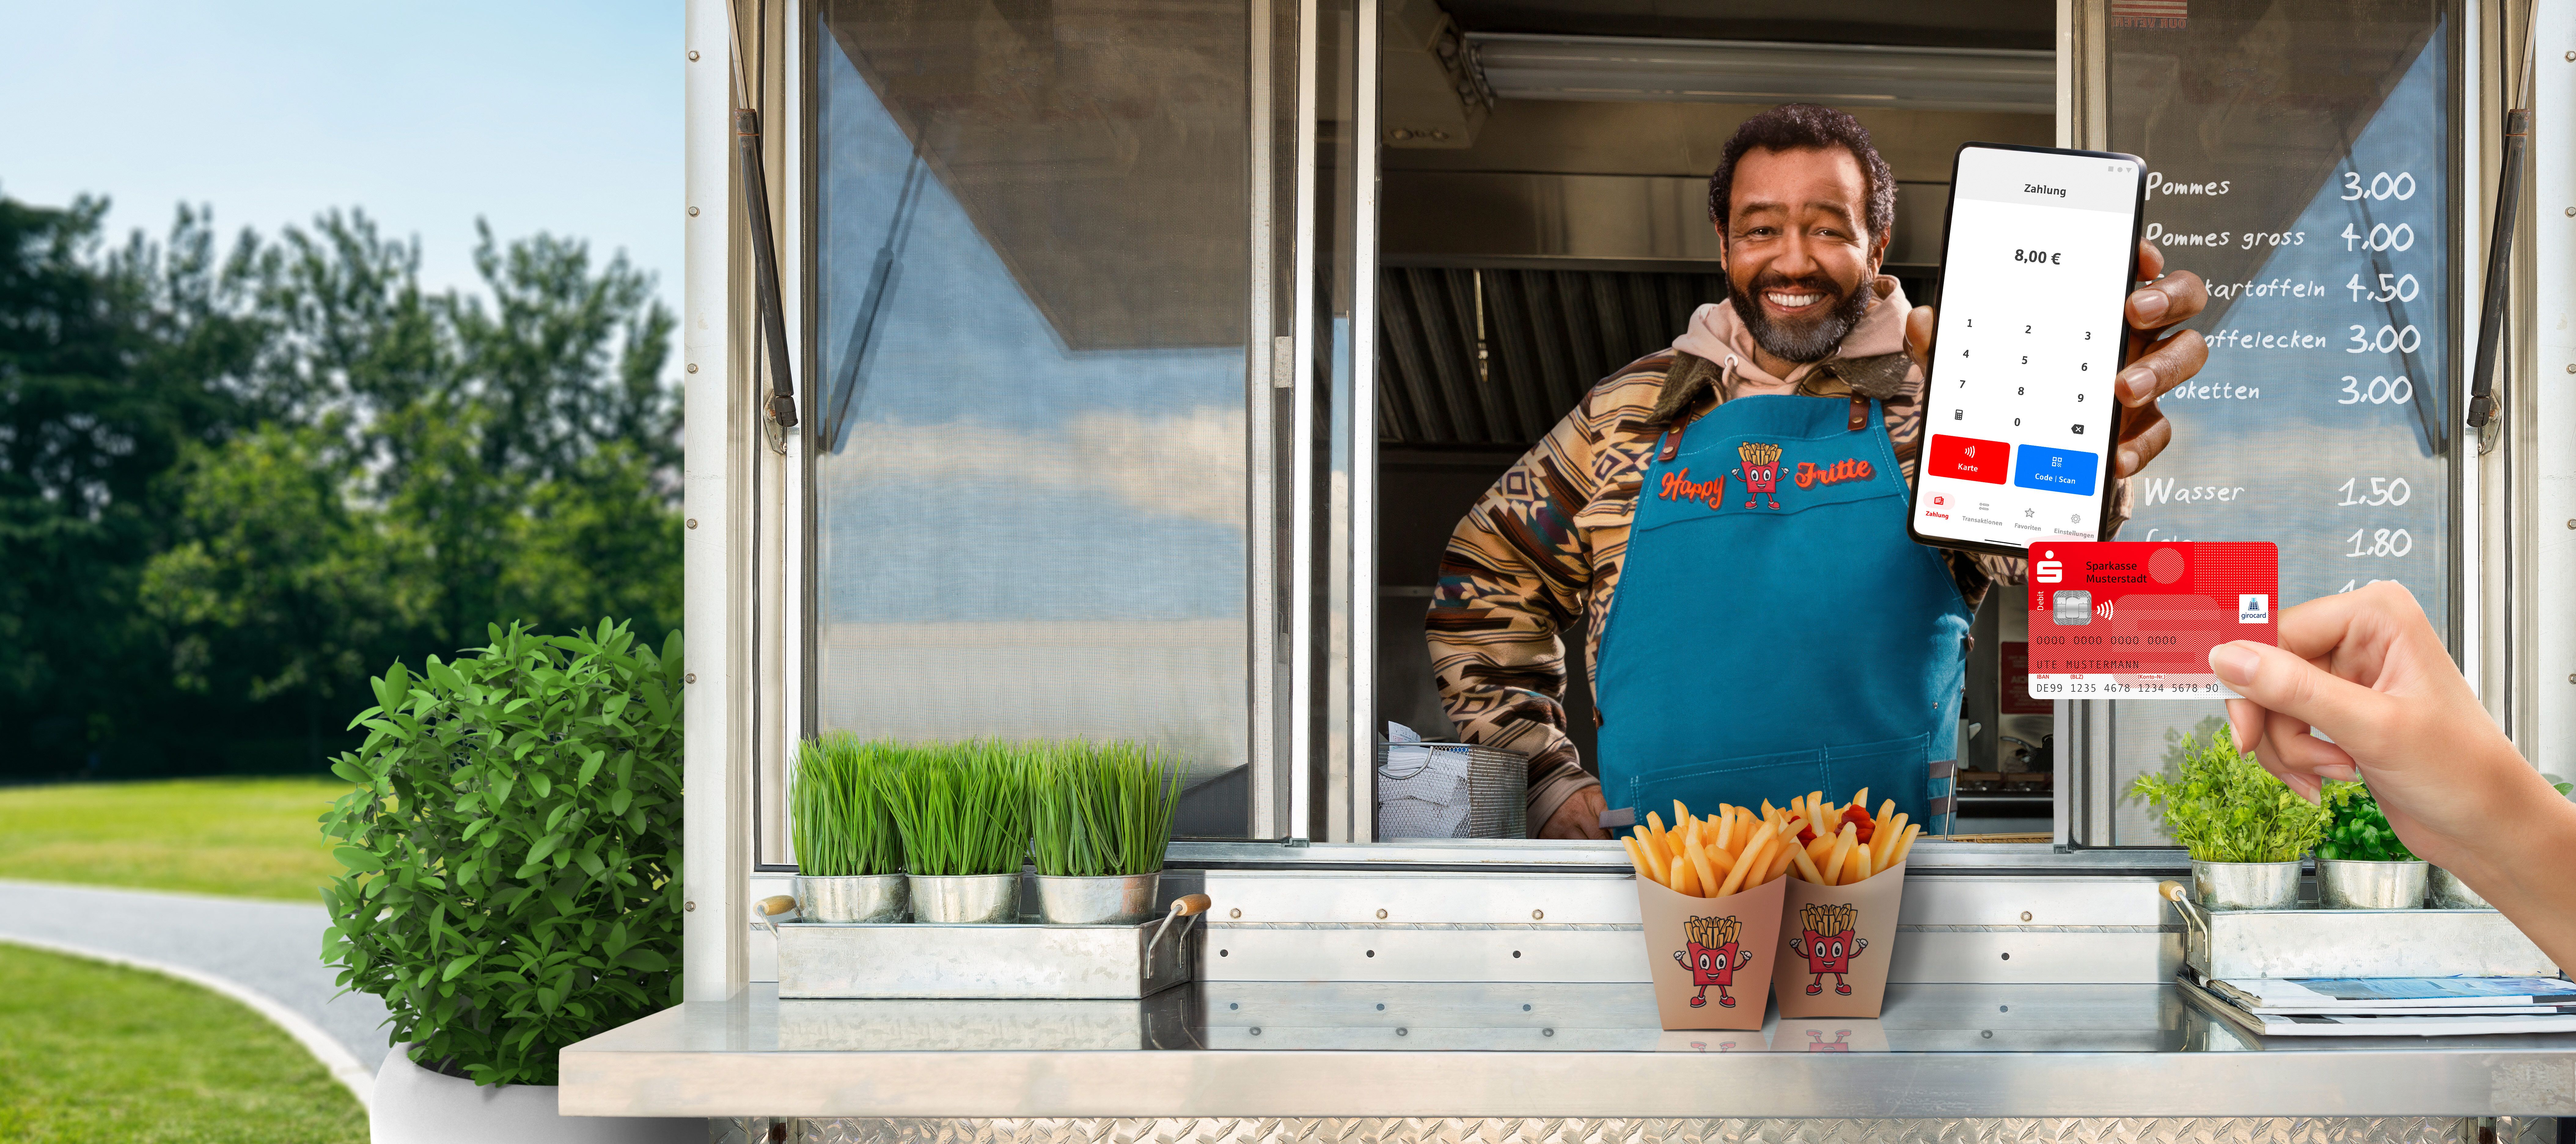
<point x="1152" y="350"/>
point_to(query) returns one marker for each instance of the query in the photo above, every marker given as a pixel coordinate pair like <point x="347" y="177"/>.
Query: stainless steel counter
<point x="1271" y="1049"/>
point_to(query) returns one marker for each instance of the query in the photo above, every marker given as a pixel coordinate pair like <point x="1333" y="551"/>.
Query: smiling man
<point x="1726" y="519"/>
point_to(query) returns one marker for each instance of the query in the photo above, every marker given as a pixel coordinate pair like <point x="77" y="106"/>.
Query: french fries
<point x="1725" y="853"/>
<point x="1739" y="848"/>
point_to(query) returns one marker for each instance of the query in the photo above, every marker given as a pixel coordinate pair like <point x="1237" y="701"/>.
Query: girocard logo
<point x="1679" y="486"/>
<point x="1829" y="945"/>
<point x="1811" y="474"/>
<point x="1761" y="473"/>
<point x="1713" y="957"/>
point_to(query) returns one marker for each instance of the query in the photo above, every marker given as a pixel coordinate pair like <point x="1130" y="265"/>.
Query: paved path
<point x="269" y="949"/>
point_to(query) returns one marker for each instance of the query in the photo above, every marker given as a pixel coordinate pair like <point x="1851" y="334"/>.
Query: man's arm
<point x="1512" y="584"/>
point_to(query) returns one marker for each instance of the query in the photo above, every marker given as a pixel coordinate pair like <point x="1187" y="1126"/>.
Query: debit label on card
<point x="2136" y="619"/>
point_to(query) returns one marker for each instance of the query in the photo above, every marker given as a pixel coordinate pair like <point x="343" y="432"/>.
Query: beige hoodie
<point x="1716" y="335"/>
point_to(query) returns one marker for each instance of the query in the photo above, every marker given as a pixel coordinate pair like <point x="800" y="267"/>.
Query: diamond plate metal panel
<point x="2377" y="1130"/>
<point x="750" y="1130"/>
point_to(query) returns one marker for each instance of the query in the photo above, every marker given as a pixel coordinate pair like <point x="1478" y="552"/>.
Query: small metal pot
<point x="2348" y="884"/>
<point x="966" y="899"/>
<point x="2450" y="893"/>
<point x="2245" y="885"/>
<point x="1109" y="900"/>
<point x="860" y="898"/>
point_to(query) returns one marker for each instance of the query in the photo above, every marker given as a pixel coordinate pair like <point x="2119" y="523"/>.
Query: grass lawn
<point x="247" y="837"/>
<point x="96" y="1053"/>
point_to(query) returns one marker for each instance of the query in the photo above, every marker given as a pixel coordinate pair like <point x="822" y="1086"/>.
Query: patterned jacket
<point x="1541" y="550"/>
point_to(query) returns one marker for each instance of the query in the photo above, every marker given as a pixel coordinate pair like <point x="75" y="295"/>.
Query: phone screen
<point x="2019" y="410"/>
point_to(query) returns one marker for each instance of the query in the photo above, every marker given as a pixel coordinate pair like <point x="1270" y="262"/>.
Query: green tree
<point x="453" y="465"/>
<point x="233" y="481"/>
<point x="111" y="364"/>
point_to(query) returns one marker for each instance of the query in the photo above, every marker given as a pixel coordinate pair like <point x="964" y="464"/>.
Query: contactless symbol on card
<point x="2136" y="619"/>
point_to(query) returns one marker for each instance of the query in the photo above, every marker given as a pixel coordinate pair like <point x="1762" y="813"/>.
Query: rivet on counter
<point x="1238" y="911"/>
<point x="688" y="907"/>
<point x="1381" y="915"/>
<point x="2025" y="915"/>
<point x="1541" y="915"/>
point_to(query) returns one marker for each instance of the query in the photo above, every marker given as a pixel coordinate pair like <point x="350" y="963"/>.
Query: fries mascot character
<point x="1829" y="953"/>
<point x="1816" y="1042"/>
<point x="1714" y="966"/>
<point x="1761" y="473"/>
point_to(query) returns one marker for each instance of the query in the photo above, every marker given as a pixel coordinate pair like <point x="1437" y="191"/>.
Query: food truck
<point x="1119" y="369"/>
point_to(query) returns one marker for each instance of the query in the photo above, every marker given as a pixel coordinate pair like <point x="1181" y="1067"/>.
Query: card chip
<point x="2074" y="608"/>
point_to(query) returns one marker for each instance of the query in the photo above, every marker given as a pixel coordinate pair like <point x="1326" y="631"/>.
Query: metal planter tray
<point x="922" y="961"/>
<point x="2354" y="943"/>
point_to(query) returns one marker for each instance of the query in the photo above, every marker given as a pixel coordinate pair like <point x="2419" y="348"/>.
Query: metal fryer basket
<point x="1419" y="791"/>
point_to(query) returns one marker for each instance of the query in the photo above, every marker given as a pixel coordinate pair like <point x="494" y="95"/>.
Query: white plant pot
<point x="413" y="1105"/>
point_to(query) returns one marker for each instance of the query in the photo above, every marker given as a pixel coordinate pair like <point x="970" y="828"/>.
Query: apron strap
<point x="1859" y="413"/>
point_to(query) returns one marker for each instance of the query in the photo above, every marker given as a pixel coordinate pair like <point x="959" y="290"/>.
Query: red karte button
<point x="1970" y="459"/>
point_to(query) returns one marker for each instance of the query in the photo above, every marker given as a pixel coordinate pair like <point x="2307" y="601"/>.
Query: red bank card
<point x="2136" y="620"/>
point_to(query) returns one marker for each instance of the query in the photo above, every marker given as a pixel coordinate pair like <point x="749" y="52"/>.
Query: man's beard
<point x="1813" y="339"/>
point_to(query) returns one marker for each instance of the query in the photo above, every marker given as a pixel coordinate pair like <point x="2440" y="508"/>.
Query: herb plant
<point x="1102" y="810"/>
<point x="962" y="808"/>
<point x="2360" y="832"/>
<point x="513" y="849"/>
<point x="2224" y="807"/>
<point x="837" y="813"/>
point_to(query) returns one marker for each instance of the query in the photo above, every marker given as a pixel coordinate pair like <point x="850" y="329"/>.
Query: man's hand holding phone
<point x="2164" y="301"/>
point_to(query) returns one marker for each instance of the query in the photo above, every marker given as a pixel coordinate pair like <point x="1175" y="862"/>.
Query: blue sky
<point x="561" y="116"/>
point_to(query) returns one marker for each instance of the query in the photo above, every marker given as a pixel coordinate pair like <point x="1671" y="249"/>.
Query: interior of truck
<point x="1543" y="221"/>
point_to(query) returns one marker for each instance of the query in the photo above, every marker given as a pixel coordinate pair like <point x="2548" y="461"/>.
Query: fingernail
<point x="2149" y="305"/>
<point x="2336" y="772"/>
<point x="2234" y="664"/>
<point x="2135" y="385"/>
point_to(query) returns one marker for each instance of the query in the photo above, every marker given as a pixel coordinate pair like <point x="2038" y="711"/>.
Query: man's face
<point x="1799" y="255"/>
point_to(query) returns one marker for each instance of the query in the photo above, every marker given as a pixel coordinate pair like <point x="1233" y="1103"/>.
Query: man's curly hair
<point x="1803" y="126"/>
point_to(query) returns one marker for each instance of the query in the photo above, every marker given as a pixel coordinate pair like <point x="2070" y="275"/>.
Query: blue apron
<point x="1775" y="631"/>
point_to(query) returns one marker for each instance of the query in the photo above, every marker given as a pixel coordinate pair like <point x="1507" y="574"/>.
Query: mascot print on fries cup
<point x="1708" y="893"/>
<point x="1838" y="917"/>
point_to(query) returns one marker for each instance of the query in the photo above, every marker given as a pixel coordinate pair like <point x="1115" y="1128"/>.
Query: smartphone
<point x="2020" y="416"/>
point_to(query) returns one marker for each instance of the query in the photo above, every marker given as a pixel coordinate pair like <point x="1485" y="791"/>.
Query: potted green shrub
<point x="962" y="810"/>
<point x="2245" y="830"/>
<point x="1100" y="819"/>
<point x="849" y="862"/>
<point x="513" y="854"/>
<point x="2361" y="863"/>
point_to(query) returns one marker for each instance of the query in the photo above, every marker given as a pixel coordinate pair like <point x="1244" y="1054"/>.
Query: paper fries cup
<point x="1834" y="944"/>
<point x="1703" y="986"/>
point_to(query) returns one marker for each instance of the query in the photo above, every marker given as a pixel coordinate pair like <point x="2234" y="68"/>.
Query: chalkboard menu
<point x="2301" y="157"/>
